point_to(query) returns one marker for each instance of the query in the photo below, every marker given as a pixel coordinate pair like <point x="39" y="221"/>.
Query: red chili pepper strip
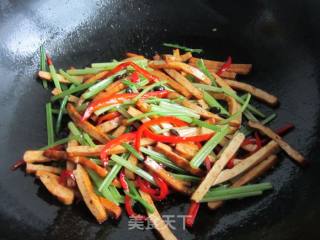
<point x="65" y="175"/>
<point x="280" y="131"/>
<point x="140" y="70"/>
<point x="258" y="141"/>
<point x="134" y="77"/>
<point x="225" y="66"/>
<point x="230" y="164"/>
<point x="49" y="60"/>
<point x="123" y="181"/>
<point x="176" y="139"/>
<point x="118" y="99"/>
<point x="192" y="213"/>
<point x="145" y="186"/>
<point x="107" y="117"/>
<point x="114" y="142"/>
<point x="129" y="210"/>
<point x="248" y="141"/>
<point x="164" y="191"/>
<point x="156" y="121"/>
<point x="207" y="163"/>
<point x="17" y="165"/>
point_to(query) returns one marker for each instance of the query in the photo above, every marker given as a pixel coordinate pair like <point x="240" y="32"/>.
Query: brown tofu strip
<point x="96" y="150"/>
<point x="178" y="160"/>
<point x="184" y="82"/>
<point x="119" y="131"/>
<point x="47" y="76"/>
<point x="51" y="182"/>
<point x="249" y="176"/>
<point x="218" y="166"/>
<point x="156" y="219"/>
<point x="133" y="160"/>
<point x="90" y="198"/>
<point x="86" y="126"/>
<point x="235" y="67"/>
<point x="271" y="148"/>
<point x="178" y="185"/>
<point x="187" y="150"/>
<point x="33" y="168"/>
<point x="257" y="92"/>
<point x="172" y="83"/>
<point x="181" y="67"/>
<point x="108" y="126"/>
<point x="102" y="172"/>
<point x="294" y="154"/>
<point x="35" y="156"/>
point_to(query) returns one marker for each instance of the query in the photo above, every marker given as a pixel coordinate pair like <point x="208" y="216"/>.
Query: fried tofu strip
<point x="102" y="172"/>
<point x="178" y="160"/>
<point x="55" y="154"/>
<point x="108" y="126"/>
<point x="238" y="68"/>
<point x="51" y="182"/>
<point x="218" y="166"/>
<point x="271" y="148"/>
<point x="86" y="126"/>
<point x="199" y="110"/>
<point x="294" y="154"/>
<point x="88" y="151"/>
<point x="156" y="219"/>
<point x="172" y="83"/>
<point x="113" y="88"/>
<point x="112" y="209"/>
<point x="226" y="74"/>
<point x="90" y="198"/>
<point x="257" y="92"/>
<point x="181" y="67"/>
<point x="187" y="149"/>
<point x="184" y="82"/>
<point x="178" y="185"/>
<point x="249" y="176"/>
<point x="133" y="160"/>
<point x="47" y="76"/>
<point x="119" y="131"/>
<point x="33" y="168"/>
<point x="35" y="156"/>
<point x="96" y="77"/>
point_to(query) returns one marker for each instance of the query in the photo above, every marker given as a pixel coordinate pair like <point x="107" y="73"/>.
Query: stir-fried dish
<point x="139" y="130"/>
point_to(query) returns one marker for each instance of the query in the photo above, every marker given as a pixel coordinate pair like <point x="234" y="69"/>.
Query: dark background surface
<point x="279" y="37"/>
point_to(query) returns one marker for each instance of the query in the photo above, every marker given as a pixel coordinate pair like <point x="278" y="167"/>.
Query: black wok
<point x="281" y="39"/>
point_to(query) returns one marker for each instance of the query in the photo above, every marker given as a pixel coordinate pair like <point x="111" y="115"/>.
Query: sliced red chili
<point x="114" y="142"/>
<point x="135" y="77"/>
<point x="17" y="165"/>
<point x="123" y="181"/>
<point x="118" y="99"/>
<point x="280" y="131"/>
<point x="192" y="213"/>
<point x="258" y="141"/>
<point x="145" y="186"/>
<point x="225" y="66"/>
<point x="107" y="117"/>
<point x="230" y="163"/>
<point x="164" y="191"/>
<point x="130" y="211"/>
<point x="65" y="175"/>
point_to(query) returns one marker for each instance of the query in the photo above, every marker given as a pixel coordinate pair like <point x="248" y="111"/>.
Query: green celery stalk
<point x="147" y="89"/>
<point x="115" y="193"/>
<point x="198" y="159"/>
<point x="212" y="102"/>
<point x="231" y="196"/>
<point x="207" y="87"/>
<point x="187" y="178"/>
<point x="69" y="77"/>
<point x="206" y="125"/>
<point x="54" y="77"/>
<point x="133" y="193"/>
<point x="160" y="158"/>
<point x="204" y="69"/>
<point x="194" y="50"/>
<point x="234" y="116"/>
<point x="71" y="91"/>
<point x="101" y="85"/>
<point x="88" y="139"/>
<point x="85" y="71"/>
<point x="133" y="168"/>
<point x="50" y="131"/>
<point x="111" y="65"/>
<point x="110" y="176"/>
<point x="43" y="64"/>
<point x="242" y="189"/>
<point x="97" y="182"/>
<point x="59" y="142"/>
